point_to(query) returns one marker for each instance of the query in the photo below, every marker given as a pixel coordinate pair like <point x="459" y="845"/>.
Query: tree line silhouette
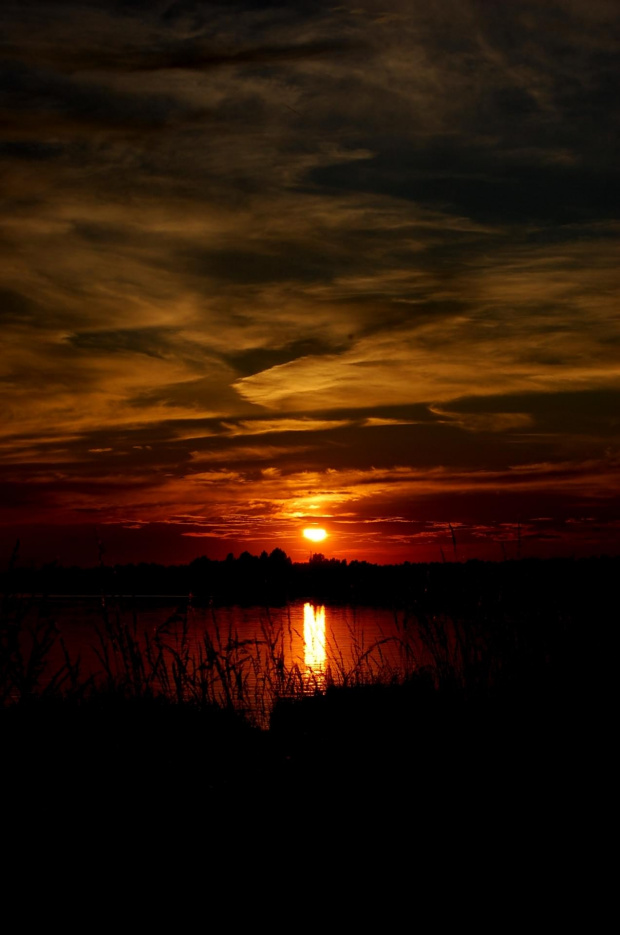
<point x="537" y="585"/>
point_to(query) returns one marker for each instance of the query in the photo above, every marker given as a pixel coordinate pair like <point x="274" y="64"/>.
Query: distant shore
<point x="274" y="579"/>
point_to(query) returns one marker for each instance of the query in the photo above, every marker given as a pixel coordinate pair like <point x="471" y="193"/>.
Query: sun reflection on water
<point x="315" y="651"/>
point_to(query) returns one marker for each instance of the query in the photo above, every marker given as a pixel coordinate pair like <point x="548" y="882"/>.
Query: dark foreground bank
<point x="512" y="747"/>
<point x="410" y="794"/>
<point x="414" y="744"/>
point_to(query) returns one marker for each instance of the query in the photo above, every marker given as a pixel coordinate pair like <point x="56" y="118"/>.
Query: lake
<point x="244" y="657"/>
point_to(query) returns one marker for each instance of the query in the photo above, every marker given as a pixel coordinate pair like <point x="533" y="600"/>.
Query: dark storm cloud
<point x="35" y="100"/>
<point x="491" y="189"/>
<point x="195" y="395"/>
<point x="198" y="37"/>
<point x="15" y="307"/>
<point x="588" y="412"/>
<point x="190" y="55"/>
<point x="263" y="358"/>
<point x="149" y="341"/>
<point x="525" y="124"/>
<point x="29" y="150"/>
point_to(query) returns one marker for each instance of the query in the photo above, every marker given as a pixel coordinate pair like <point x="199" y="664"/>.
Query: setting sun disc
<point x="315" y="534"/>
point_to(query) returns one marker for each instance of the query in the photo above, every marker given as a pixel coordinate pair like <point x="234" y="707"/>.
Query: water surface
<point x="244" y="656"/>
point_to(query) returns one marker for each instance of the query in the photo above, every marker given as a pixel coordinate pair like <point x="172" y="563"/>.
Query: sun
<point x="315" y="534"/>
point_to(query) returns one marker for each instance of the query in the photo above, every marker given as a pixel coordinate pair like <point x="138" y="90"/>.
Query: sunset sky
<point x="272" y="264"/>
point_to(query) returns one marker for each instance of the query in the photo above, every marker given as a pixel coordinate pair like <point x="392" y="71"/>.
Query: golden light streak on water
<point x="315" y="649"/>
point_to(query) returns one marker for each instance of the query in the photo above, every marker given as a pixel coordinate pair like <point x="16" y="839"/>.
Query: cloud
<point x="271" y="426"/>
<point x="250" y="453"/>
<point x="489" y="421"/>
<point x="429" y="364"/>
<point x="392" y="229"/>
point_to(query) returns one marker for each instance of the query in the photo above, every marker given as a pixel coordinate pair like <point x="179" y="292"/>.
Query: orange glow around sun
<point x="315" y="534"/>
